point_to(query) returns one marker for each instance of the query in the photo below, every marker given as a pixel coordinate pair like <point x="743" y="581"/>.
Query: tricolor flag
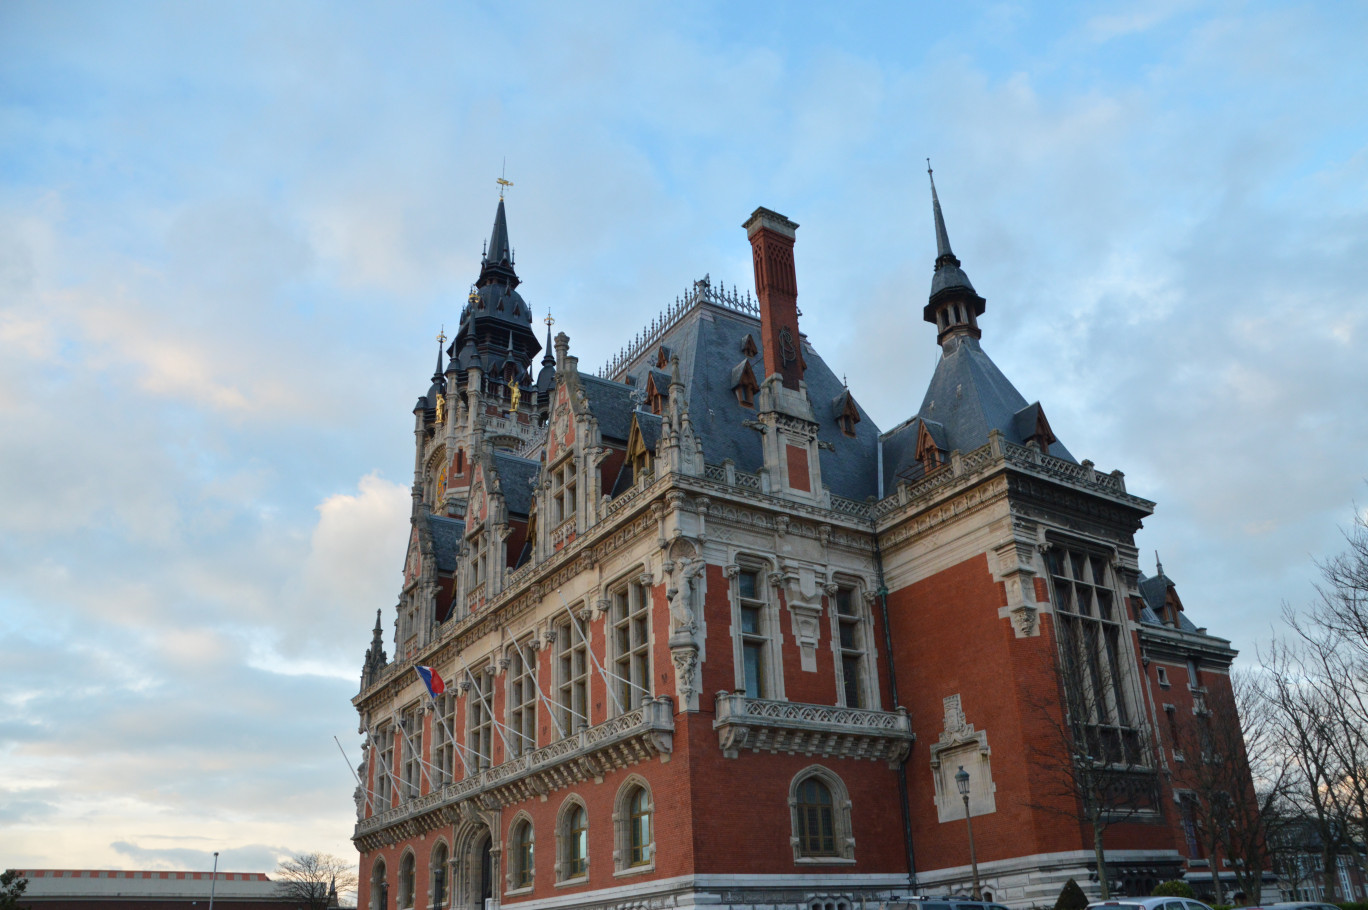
<point x="432" y="679"/>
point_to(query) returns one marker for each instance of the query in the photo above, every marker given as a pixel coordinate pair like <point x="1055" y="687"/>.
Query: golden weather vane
<point x="548" y="320"/>
<point x="441" y="335"/>
<point x="503" y="184"/>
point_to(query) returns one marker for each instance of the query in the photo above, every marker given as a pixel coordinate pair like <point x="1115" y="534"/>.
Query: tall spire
<point x="954" y="306"/>
<point x="498" y="257"/>
<point x="549" y="359"/>
<point x="943" y="252"/>
<point x="441" y="339"/>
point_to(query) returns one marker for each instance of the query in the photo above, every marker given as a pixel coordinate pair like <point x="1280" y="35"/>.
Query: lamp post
<point x="962" y="782"/>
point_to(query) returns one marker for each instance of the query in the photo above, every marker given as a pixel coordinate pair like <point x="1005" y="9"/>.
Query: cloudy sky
<point x="229" y="234"/>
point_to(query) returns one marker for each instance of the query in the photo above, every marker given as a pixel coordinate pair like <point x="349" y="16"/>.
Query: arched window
<point x="407" y="873"/>
<point x="820" y="808"/>
<point x="639" y="828"/>
<point x="379" y="887"/>
<point x="634" y="827"/>
<point x="574" y="841"/>
<point x="520" y="855"/>
<point x="438" y="893"/>
<point x="816" y="824"/>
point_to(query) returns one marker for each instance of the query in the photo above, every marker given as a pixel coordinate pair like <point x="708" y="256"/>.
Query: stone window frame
<point x="514" y="870"/>
<point x="379" y="884"/>
<point x="444" y="759"/>
<point x="566" y="640"/>
<point x="384" y="764"/>
<point x="479" y="726"/>
<point x="765" y="571"/>
<point x="841" y="818"/>
<point x="563" y="491"/>
<point x="439" y="867"/>
<point x="636" y="579"/>
<point x="622" y="827"/>
<point x="408" y="880"/>
<point x="564" y="844"/>
<point x="959" y="745"/>
<point x="519" y="714"/>
<point x="1108" y="676"/>
<point x="411" y="772"/>
<point x="864" y="616"/>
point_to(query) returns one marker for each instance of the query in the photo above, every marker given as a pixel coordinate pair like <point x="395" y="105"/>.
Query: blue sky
<point x="230" y="233"/>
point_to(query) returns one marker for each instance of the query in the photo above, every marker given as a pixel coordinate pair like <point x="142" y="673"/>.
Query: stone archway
<point x="475" y="863"/>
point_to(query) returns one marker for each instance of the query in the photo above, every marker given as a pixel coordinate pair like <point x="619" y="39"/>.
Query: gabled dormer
<point x="845" y="412"/>
<point x="932" y="449"/>
<point x="744" y="384"/>
<point x="1031" y="426"/>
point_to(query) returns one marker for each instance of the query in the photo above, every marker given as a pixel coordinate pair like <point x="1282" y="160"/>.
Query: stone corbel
<point x="804" y="598"/>
<point x="1016" y="569"/>
<point x="684" y="655"/>
<point x="731" y="570"/>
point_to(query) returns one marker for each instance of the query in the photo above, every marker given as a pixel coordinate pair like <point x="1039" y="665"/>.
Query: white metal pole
<point x="213" y="880"/>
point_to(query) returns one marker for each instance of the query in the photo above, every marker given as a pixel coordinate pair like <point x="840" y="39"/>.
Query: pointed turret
<point x="376" y="658"/>
<point x="496" y="323"/>
<point x="954" y="306"/>
<point x="498" y="258"/>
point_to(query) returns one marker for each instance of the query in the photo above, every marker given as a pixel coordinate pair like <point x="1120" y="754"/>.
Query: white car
<point x="1149" y="903"/>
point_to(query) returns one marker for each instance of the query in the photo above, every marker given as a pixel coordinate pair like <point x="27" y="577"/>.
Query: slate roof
<point x="968" y="396"/>
<point x="1153" y="590"/>
<point x="515" y="481"/>
<point x="708" y="343"/>
<point x="650" y="428"/>
<point x="610" y="402"/>
<point x="446" y="540"/>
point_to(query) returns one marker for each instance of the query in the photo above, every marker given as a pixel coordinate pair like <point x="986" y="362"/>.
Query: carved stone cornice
<point x="623" y="741"/>
<point x="763" y="725"/>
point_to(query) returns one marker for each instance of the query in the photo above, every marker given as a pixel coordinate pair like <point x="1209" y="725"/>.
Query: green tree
<point x="12" y="887"/>
<point x="1174" y="888"/>
<point x="1071" y="897"/>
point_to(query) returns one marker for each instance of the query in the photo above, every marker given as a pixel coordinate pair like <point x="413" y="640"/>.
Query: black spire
<point x="549" y="360"/>
<point x="953" y="303"/>
<point x="439" y="376"/>
<point x="498" y="259"/>
<point x="376" y="658"/>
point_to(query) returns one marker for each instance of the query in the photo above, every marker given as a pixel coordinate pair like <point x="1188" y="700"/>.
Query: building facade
<point x="708" y="636"/>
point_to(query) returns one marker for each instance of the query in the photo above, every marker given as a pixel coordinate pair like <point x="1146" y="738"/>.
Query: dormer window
<point x="564" y="493"/>
<point x="748" y="347"/>
<point x="662" y="358"/>
<point x="846" y="412"/>
<point x="743" y="383"/>
<point x="655" y="394"/>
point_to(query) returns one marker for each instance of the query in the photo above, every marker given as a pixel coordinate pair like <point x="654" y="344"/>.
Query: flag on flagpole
<point x="432" y="679"/>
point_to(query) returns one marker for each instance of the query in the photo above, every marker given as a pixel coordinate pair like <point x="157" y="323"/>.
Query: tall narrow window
<point x="412" y="770"/>
<point x="754" y="634"/>
<point x="444" y="750"/>
<point x="816" y="819"/>
<point x="385" y="771"/>
<point x="407" y="874"/>
<point x="479" y="559"/>
<point x="572" y="677"/>
<point x="850" y="637"/>
<point x="639" y="827"/>
<point x="438" y="866"/>
<point x="1094" y="673"/>
<point x="379" y="887"/>
<point x="574" y="842"/>
<point x="521" y="855"/>
<point x="522" y="700"/>
<point x="478" y="705"/>
<point x="631" y="644"/>
<point x="564" y="493"/>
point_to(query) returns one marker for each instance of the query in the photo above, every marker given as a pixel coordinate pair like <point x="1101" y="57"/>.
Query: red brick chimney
<point x="776" y="284"/>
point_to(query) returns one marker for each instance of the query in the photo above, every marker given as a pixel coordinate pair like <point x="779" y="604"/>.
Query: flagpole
<point x="550" y="709"/>
<point x="416" y="752"/>
<point x="213" y="880"/>
<point x="487" y="706"/>
<point x="354" y="775"/>
<point x="437" y="710"/>
<point x="617" y="703"/>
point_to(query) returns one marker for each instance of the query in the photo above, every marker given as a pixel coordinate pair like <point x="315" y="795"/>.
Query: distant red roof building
<point x="115" y="889"/>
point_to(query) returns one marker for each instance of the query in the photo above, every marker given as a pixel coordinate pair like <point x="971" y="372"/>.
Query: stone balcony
<point x="627" y="739"/>
<point x="765" y="725"/>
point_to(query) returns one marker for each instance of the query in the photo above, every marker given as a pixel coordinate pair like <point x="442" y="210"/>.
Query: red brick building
<point x="710" y="637"/>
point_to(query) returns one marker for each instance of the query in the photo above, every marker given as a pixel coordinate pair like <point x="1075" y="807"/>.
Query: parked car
<point x="1150" y="903"/>
<point x="946" y="903"/>
<point x="1296" y="905"/>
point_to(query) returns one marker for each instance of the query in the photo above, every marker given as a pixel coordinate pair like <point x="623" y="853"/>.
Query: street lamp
<point x="213" y="880"/>
<point x="962" y="783"/>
